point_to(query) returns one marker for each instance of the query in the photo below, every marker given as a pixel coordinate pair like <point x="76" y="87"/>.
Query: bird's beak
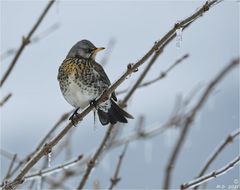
<point x="98" y="49"/>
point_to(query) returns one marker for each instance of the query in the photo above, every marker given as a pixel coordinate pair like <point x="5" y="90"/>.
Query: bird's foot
<point x="93" y="103"/>
<point x="74" y="117"/>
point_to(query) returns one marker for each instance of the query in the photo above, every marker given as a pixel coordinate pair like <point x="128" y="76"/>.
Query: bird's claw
<point x="93" y="103"/>
<point x="74" y="117"/>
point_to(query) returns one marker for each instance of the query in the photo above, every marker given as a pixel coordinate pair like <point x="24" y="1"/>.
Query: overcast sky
<point x="212" y="42"/>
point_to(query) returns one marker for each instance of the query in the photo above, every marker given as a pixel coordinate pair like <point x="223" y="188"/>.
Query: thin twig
<point x="25" y="42"/>
<point x="5" y="99"/>
<point x="98" y="152"/>
<point x="52" y="170"/>
<point x="211" y="175"/>
<point x="96" y="155"/>
<point x="160" y="77"/>
<point x="157" y="49"/>
<point x="35" y="39"/>
<point x="174" y="120"/>
<point x="59" y="184"/>
<point x="115" y="179"/>
<point x="10" y="166"/>
<point x="63" y="118"/>
<point x="8" y="155"/>
<point x="165" y="73"/>
<point x="140" y="135"/>
<point x="190" y="118"/>
<point x="142" y="76"/>
<point x="131" y="68"/>
<point x="213" y="157"/>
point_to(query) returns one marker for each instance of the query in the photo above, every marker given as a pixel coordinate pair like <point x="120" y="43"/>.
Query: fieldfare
<point x="82" y="80"/>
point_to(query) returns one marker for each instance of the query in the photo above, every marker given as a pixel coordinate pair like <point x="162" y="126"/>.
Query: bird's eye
<point x="88" y="50"/>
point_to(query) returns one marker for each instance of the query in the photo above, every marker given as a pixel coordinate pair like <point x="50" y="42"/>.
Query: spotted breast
<point x="79" y="82"/>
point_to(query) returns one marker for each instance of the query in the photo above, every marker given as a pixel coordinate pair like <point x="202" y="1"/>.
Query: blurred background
<point x="127" y="29"/>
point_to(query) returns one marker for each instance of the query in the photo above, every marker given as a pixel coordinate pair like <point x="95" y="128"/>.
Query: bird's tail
<point x="113" y="115"/>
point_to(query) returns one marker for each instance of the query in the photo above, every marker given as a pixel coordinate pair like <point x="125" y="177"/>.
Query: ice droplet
<point x="49" y="159"/>
<point x="179" y="37"/>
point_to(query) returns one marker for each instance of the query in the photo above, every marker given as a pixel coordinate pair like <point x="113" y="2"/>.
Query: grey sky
<point x="37" y="103"/>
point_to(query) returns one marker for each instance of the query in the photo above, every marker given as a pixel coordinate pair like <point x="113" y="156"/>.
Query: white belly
<point x="76" y="96"/>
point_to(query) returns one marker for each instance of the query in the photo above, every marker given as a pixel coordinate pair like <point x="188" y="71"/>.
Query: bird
<point x="82" y="80"/>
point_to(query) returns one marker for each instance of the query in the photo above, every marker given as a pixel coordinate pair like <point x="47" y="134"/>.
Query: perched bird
<point x="82" y="80"/>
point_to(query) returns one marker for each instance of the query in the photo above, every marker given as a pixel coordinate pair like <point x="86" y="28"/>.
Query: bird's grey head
<point x="84" y="49"/>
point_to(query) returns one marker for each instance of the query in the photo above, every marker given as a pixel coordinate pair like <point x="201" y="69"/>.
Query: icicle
<point x="49" y="159"/>
<point x="178" y="37"/>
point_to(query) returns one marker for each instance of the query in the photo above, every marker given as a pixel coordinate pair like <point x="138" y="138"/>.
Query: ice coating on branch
<point x="49" y="159"/>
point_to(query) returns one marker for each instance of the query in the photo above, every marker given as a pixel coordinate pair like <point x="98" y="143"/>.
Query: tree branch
<point x="115" y="179"/>
<point x="211" y="175"/>
<point x="35" y="39"/>
<point x="10" y="167"/>
<point x="190" y="118"/>
<point x="131" y="68"/>
<point x="213" y="157"/>
<point x="160" y="77"/>
<point x="97" y="154"/>
<point x="25" y="42"/>
<point x="5" y="99"/>
<point x="48" y="135"/>
<point x="52" y="170"/>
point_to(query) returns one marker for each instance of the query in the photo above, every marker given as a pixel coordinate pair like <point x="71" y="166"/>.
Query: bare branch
<point x="131" y="68"/>
<point x="52" y="170"/>
<point x="97" y="154"/>
<point x="190" y="118"/>
<point x="211" y="175"/>
<point x="115" y="179"/>
<point x="63" y="118"/>
<point x="10" y="167"/>
<point x="213" y="157"/>
<point x="35" y="39"/>
<point x="8" y="155"/>
<point x="157" y="48"/>
<point x="142" y="76"/>
<point x="25" y="42"/>
<point x="5" y="99"/>
<point x="160" y="77"/>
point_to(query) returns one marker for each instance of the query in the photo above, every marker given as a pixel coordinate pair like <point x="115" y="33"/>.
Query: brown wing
<point x="104" y="77"/>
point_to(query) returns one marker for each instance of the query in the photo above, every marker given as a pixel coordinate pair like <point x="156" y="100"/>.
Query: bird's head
<point x="84" y="49"/>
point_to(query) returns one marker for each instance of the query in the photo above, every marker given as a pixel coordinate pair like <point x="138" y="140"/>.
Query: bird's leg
<point x="73" y="115"/>
<point x="93" y="103"/>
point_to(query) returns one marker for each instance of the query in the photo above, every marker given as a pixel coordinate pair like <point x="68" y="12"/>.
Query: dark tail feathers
<point x="114" y="114"/>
